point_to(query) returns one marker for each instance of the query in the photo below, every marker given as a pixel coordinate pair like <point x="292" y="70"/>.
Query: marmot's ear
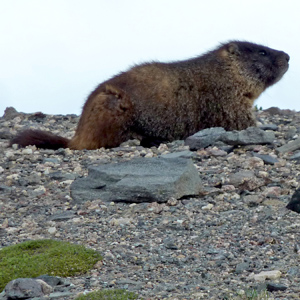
<point x="233" y="48"/>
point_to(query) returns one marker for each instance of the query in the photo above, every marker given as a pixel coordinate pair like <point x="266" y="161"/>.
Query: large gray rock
<point x="204" y="138"/>
<point x="10" y="113"/>
<point x="24" y="288"/>
<point x="249" y="136"/>
<point x="218" y="135"/>
<point x="139" y="180"/>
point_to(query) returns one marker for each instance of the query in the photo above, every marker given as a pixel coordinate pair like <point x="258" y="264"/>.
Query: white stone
<point x="77" y="169"/>
<point x="240" y="292"/>
<point x="120" y="221"/>
<point x="13" y="176"/>
<point x="172" y="201"/>
<point x="66" y="182"/>
<point x="5" y="223"/>
<point x="235" y="196"/>
<point x="263" y="174"/>
<point x="150" y="154"/>
<point x="272" y="275"/>
<point x="77" y="220"/>
<point x="52" y="230"/>
<point x="9" y="154"/>
<point x="27" y="151"/>
<point x="209" y="206"/>
<point x="46" y="288"/>
<point x="17" y="119"/>
<point x="40" y="189"/>
<point x="68" y="151"/>
<point x="162" y="147"/>
<point x="200" y="295"/>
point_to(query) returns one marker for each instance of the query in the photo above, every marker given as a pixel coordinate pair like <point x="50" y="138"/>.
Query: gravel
<point x="206" y="247"/>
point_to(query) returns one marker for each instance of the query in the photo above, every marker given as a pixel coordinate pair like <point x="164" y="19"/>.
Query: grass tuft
<point x="34" y="258"/>
<point x="108" y="295"/>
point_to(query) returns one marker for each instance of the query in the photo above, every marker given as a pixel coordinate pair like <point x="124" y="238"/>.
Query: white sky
<point x="55" y="52"/>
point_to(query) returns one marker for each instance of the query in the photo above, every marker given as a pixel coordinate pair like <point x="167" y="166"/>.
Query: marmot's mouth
<point x="281" y="72"/>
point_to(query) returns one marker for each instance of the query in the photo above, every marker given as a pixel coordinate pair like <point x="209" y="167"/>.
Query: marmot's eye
<point x="262" y="52"/>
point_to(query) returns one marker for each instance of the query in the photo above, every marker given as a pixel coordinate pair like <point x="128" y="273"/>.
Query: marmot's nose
<point x="287" y="57"/>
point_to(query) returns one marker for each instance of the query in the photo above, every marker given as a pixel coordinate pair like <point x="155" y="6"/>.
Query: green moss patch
<point x="34" y="258"/>
<point x="108" y="295"/>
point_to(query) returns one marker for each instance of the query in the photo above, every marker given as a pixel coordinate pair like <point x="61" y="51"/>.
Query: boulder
<point x="139" y="180"/>
<point x="24" y="288"/>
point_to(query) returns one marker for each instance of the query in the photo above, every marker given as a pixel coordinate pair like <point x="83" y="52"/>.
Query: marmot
<point x="158" y="102"/>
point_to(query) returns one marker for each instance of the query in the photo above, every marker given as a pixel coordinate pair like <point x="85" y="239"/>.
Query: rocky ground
<point x="206" y="247"/>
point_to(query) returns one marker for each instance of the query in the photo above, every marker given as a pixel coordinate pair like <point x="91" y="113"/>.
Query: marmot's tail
<point x="39" y="138"/>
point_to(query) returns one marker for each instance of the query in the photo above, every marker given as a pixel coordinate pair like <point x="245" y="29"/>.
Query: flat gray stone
<point x="183" y="154"/>
<point x="65" y="216"/>
<point x="249" y="136"/>
<point x="218" y="135"/>
<point x="62" y="176"/>
<point x="268" y="159"/>
<point x="51" y="160"/>
<point x="272" y="286"/>
<point x="241" y="267"/>
<point x="294" y="272"/>
<point x="24" y="288"/>
<point x="289" y="147"/>
<point x="269" y="127"/>
<point x="139" y="180"/>
<point x="5" y="188"/>
<point x="204" y="138"/>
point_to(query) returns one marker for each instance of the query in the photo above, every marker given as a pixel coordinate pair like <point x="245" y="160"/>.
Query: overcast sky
<point x="55" y="52"/>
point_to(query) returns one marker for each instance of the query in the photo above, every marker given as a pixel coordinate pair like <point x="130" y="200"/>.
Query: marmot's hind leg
<point x="105" y="121"/>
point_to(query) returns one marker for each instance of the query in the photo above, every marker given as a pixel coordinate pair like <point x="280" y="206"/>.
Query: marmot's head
<point x="259" y="63"/>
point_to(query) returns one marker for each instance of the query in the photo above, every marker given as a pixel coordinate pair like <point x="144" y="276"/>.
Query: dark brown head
<point x="262" y="64"/>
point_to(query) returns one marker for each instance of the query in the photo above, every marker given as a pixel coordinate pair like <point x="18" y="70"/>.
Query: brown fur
<point x="157" y="102"/>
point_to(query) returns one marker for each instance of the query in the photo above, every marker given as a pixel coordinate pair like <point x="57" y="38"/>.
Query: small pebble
<point x="208" y="207"/>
